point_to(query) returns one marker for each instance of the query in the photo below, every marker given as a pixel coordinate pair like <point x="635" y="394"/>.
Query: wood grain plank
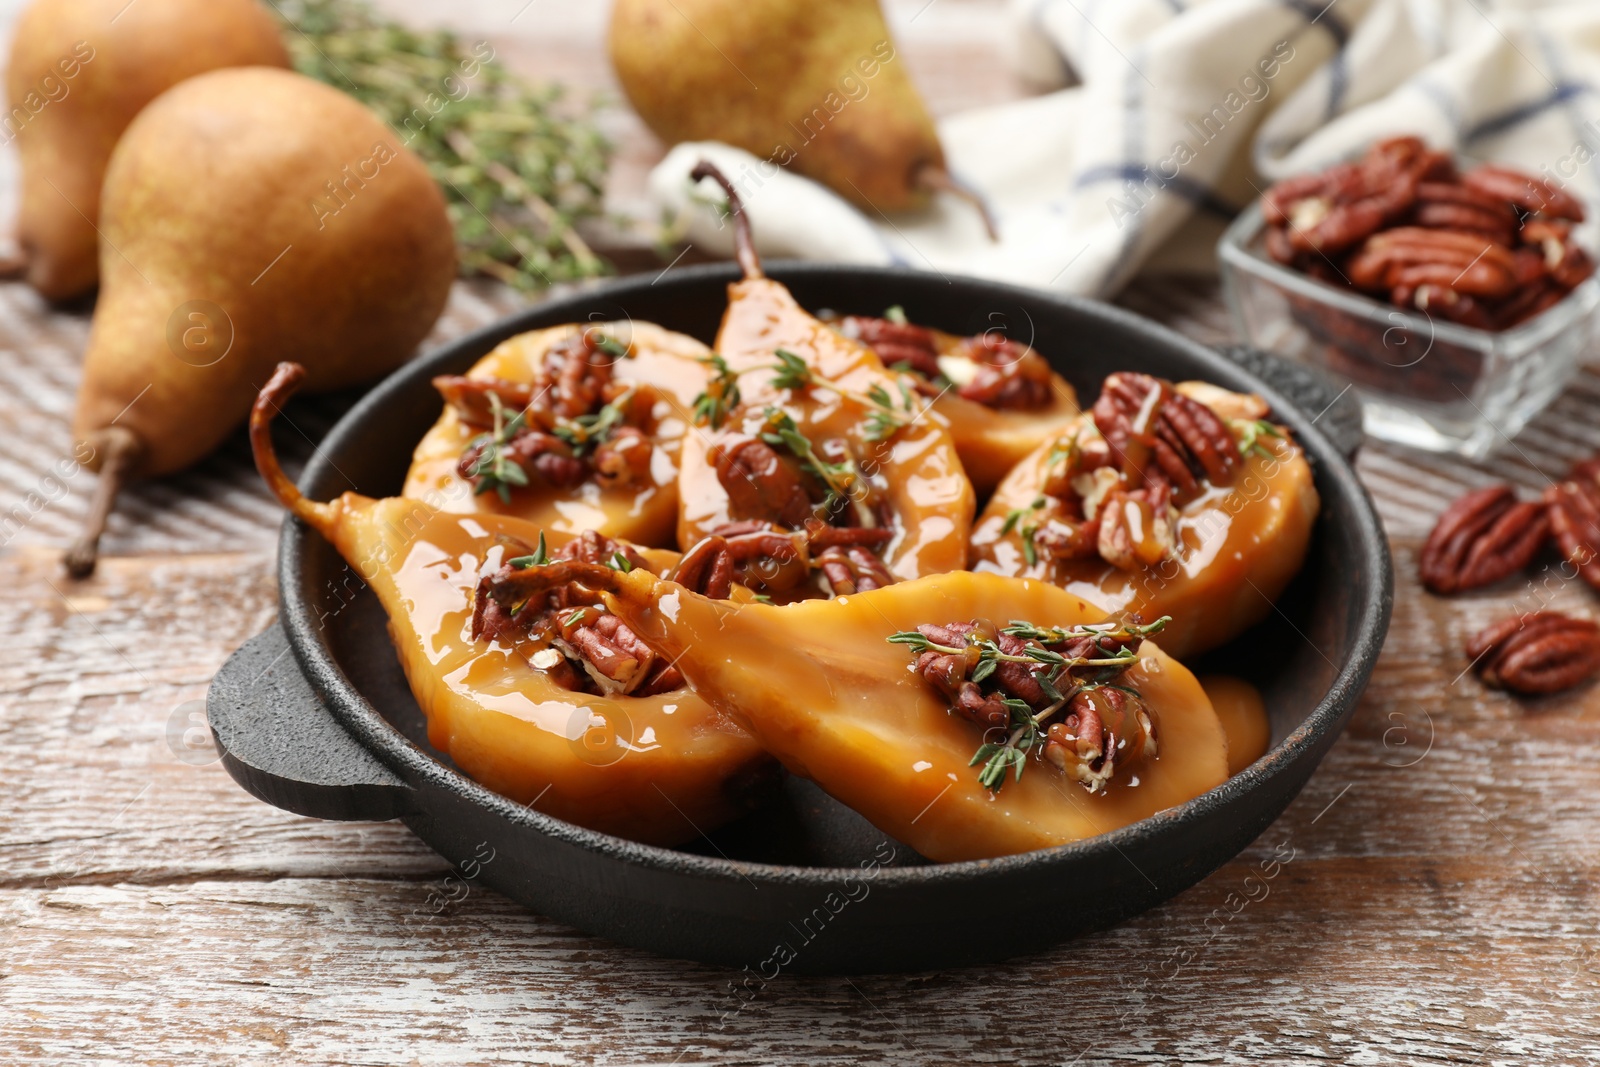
<point x="356" y="970"/>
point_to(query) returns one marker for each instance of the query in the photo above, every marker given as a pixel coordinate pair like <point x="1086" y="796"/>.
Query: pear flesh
<point x="250" y="214"/>
<point x="80" y="70"/>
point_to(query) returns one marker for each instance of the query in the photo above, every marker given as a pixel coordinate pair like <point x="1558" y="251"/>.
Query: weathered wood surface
<point x="1440" y="905"/>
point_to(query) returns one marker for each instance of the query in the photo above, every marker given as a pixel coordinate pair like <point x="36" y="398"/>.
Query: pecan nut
<point x="1143" y="420"/>
<point x="1531" y="194"/>
<point x="1413" y="256"/>
<point x="1539" y="652"/>
<point x="1137" y="527"/>
<point x="895" y="342"/>
<point x="470" y="397"/>
<point x="761" y="485"/>
<point x="1574" y="506"/>
<point x="1483" y="537"/>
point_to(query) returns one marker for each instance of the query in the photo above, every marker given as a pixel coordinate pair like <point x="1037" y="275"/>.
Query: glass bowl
<point x="1423" y="382"/>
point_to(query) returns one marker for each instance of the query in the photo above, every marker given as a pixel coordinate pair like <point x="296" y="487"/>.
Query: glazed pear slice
<point x="901" y="471"/>
<point x="824" y="690"/>
<point x="670" y="367"/>
<point x="991" y="437"/>
<point x="660" y="769"/>
<point x="1235" y="547"/>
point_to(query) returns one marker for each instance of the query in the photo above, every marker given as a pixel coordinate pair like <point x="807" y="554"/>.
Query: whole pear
<point x="249" y="215"/>
<point x="816" y="86"/>
<point x="80" y="70"/>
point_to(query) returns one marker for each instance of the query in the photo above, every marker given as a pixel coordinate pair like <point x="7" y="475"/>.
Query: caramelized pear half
<point x="636" y="498"/>
<point x="823" y="688"/>
<point x="803" y="428"/>
<point x="1214" y="558"/>
<point x="661" y="769"/>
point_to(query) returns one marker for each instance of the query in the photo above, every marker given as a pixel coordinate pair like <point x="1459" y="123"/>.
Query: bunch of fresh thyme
<point x="517" y="169"/>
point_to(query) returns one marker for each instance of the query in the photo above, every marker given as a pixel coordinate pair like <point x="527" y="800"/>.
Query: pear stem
<point x="935" y="178"/>
<point x="121" y="448"/>
<point x="744" y="247"/>
<point x="283" y="384"/>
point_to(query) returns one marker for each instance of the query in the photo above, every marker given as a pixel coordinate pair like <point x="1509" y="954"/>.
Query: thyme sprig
<point x="884" y="418"/>
<point x="494" y="469"/>
<point x="837" y="478"/>
<point x="721" y="395"/>
<point x="589" y="431"/>
<point x="518" y="165"/>
<point x="540" y="557"/>
<point x="1251" y="431"/>
<point x="1030" y="551"/>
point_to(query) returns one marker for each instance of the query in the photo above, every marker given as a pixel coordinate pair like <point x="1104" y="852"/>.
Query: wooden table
<point x="1439" y="906"/>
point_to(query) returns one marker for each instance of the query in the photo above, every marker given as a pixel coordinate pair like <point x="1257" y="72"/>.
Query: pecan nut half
<point x="1539" y="652"/>
<point x="1161" y="436"/>
<point x="1481" y="538"/>
<point x="1575" y="518"/>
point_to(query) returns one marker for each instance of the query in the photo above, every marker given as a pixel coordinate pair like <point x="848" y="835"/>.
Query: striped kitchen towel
<point x="1179" y="112"/>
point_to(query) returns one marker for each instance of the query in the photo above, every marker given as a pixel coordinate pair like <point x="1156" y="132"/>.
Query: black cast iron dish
<point x="805" y="885"/>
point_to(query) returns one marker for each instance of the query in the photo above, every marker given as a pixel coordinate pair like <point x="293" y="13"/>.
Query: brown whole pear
<point x="814" y="86"/>
<point x="249" y="214"/>
<point x="80" y="70"/>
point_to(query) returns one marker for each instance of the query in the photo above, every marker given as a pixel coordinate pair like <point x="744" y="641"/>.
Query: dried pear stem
<point x="283" y="384"/>
<point x="744" y="247"/>
<point x="934" y="178"/>
<point x="121" y="449"/>
<point x="557" y="574"/>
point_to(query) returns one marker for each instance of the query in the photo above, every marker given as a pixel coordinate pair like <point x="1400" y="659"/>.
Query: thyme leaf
<point x="721" y="396"/>
<point x="539" y="558"/>
<point x="494" y="469"/>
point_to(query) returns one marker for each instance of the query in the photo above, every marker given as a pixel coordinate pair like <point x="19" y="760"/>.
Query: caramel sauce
<point x="645" y="512"/>
<point x="915" y="474"/>
<point x="823" y="690"/>
<point x="1238" y="548"/>
<point x="1243" y="714"/>
<point x="647" y="768"/>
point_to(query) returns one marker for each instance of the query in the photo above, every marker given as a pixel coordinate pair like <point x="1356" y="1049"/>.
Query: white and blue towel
<point x="1177" y="114"/>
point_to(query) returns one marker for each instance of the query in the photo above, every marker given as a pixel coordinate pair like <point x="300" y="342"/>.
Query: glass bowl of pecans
<point x="1453" y="298"/>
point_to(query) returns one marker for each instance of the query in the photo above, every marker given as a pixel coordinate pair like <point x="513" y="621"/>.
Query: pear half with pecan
<point x="1165" y="500"/>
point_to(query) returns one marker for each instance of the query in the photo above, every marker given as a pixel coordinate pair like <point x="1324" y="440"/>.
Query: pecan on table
<point x="1539" y="652"/>
<point x="1481" y="538"/>
<point x="1160" y="436"/>
<point x="1575" y="518"/>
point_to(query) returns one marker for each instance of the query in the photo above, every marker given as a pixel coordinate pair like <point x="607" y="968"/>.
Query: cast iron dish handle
<point x="279" y="742"/>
